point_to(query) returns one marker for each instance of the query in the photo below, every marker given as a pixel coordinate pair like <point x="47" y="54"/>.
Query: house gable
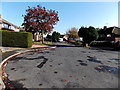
<point x="116" y="31"/>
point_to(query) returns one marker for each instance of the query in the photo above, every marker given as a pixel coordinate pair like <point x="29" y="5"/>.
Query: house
<point x="37" y="36"/>
<point x="109" y="34"/>
<point x="63" y="38"/>
<point x="6" y="25"/>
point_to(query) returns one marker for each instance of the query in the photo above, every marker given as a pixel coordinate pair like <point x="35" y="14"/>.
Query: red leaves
<point x="40" y="18"/>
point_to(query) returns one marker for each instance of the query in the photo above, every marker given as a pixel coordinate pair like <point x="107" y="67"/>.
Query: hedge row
<point x="100" y="44"/>
<point x="16" y="39"/>
<point x="77" y="43"/>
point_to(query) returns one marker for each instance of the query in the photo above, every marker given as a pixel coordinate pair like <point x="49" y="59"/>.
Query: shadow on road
<point x="65" y="45"/>
<point x="26" y="58"/>
<point x="104" y="68"/>
<point x="104" y="48"/>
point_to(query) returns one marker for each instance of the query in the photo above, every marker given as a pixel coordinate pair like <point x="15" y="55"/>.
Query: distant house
<point x="63" y="38"/>
<point x="37" y="37"/>
<point x="109" y="34"/>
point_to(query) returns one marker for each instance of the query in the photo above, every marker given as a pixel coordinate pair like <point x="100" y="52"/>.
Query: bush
<point x="47" y="39"/>
<point x="71" y="41"/>
<point x="100" y="44"/>
<point x="16" y="39"/>
<point x="79" y="43"/>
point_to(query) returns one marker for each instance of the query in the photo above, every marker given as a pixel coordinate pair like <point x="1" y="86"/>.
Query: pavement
<point x="7" y="49"/>
<point x="66" y="66"/>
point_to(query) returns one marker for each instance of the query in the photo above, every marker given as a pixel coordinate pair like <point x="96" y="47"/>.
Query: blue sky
<point x="71" y="14"/>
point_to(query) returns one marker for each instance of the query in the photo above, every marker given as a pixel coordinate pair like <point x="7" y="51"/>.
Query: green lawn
<point x="45" y="43"/>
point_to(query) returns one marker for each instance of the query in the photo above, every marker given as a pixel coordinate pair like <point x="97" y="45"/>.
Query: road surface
<point x="65" y="67"/>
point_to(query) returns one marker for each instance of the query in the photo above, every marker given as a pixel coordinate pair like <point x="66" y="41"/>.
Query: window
<point x="109" y="35"/>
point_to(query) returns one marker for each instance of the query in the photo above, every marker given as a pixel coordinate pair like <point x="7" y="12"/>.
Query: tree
<point x="48" y="38"/>
<point x="55" y="36"/>
<point x="88" y="34"/>
<point x="72" y="33"/>
<point x="38" y="19"/>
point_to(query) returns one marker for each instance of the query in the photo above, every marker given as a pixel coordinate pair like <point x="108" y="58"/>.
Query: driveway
<point x="65" y="67"/>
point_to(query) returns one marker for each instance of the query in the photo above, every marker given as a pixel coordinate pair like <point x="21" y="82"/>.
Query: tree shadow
<point x="116" y="59"/>
<point x="93" y="59"/>
<point x="66" y="45"/>
<point x="103" y="68"/>
<point x="26" y="58"/>
<point x="42" y="63"/>
<point x="104" y="48"/>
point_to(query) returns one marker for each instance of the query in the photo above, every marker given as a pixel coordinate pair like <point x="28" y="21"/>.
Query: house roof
<point x="108" y="30"/>
<point x="116" y="30"/>
<point x="6" y="22"/>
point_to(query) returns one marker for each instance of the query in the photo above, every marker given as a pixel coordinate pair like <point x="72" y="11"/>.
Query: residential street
<point x="65" y="67"/>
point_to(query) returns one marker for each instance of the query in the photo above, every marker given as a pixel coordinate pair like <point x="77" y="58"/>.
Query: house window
<point x="109" y="35"/>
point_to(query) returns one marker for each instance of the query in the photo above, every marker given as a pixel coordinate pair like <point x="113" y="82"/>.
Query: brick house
<point x="109" y="34"/>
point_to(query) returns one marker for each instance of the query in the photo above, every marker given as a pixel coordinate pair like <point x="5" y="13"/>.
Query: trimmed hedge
<point x="100" y="44"/>
<point x="16" y="39"/>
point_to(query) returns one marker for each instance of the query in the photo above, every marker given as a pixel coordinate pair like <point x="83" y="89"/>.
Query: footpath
<point x="7" y="49"/>
<point x="6" y="53"/>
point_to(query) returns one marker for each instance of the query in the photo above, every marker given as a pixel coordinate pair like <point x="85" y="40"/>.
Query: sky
<point x="71" y="14"/>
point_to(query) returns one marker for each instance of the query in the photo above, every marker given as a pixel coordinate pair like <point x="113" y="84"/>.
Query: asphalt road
<point x="65" y="67"/>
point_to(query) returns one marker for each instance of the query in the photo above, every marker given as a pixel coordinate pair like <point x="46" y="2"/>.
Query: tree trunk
<point x="87" y="45"/>
<point x="42" y="36"/>
<point x="33" y="38"/>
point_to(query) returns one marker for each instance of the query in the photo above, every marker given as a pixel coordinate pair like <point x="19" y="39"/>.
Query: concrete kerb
<point x="3" y="75"/>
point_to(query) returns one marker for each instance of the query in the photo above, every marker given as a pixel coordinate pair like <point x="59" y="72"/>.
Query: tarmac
<point x="3" y="61"/>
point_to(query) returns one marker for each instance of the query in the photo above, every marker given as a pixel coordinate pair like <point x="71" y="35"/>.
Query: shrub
<point x="100" y="44"/>
<point x="47" y="39"/>
<point x="71" y="41"/>
<point x="16" y="39"/>
<point x="80" y="43"/>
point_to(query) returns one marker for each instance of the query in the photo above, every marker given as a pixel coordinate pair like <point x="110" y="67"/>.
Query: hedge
<point x="16" y="39"/>
<point x="100" y="44"/>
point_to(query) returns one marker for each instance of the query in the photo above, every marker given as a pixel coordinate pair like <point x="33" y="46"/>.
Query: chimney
<point x="105" y="27"/>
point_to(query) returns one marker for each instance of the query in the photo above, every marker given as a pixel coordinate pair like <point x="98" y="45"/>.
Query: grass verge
<point x="45" y="43"/>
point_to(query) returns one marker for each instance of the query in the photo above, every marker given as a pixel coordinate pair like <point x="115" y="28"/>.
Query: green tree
<point x="72" y="33"/>
<point x="55" y="36"/>
<point x="88" y="34"/>
<point x="48" y="38"/>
